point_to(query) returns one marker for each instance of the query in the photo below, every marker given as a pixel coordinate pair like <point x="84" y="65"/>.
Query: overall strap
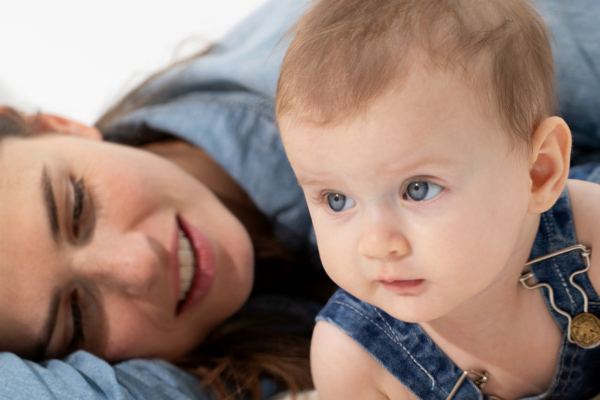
<point x="403" y="349"/>
<point x="576" y="374"/>
<point x="557" y="232"/>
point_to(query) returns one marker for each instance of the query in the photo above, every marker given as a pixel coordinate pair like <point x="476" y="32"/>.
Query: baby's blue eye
<point x="338" y="202"/>
<point x="422" y="190"/>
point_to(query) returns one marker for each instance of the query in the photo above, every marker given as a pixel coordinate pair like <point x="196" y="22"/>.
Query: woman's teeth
<point x="187" y="263"/>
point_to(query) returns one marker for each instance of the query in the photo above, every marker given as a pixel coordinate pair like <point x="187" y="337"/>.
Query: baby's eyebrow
<point x="50" y="202"/>
<point x="306" y="182"/>
<point x="303" y="181"/>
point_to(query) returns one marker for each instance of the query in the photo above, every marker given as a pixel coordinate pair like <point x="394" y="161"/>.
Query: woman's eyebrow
<point x="50" y="202"/>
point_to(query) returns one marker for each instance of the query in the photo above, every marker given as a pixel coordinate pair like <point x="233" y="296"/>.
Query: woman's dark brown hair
<point x="13" y="123"/>
<point x="255" y="343"/>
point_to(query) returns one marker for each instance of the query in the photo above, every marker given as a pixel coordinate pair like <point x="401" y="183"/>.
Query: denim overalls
<point x="414" y="359"/>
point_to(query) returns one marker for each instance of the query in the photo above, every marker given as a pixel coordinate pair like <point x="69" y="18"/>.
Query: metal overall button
<point x="584" y="328"/>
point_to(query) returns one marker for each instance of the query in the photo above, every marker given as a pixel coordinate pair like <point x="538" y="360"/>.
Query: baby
<point x="423" y="134"/>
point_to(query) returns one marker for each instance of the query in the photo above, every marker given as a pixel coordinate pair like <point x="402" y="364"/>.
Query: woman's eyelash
<point x="78" y="201"/>
<point x="78" y="338"/>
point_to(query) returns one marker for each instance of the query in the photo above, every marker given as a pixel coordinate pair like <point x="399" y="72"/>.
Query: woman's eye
<point x="78" y="201"/>
<point x="78" y="338"/>
<point x="422" y="190"/>
<point x="338" y="202"/>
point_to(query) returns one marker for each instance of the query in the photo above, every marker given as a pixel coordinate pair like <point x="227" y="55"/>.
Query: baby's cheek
<point x="330" y="262"/>
<point x="337" y="250"/>
<point x="327" y="240"/>
<point x="334" y="261"/>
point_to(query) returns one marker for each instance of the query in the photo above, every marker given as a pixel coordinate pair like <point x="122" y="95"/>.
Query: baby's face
<point x="420" y="205"/>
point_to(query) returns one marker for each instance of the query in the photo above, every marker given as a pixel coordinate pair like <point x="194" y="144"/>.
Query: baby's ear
<point x="549" y="163"/>
<point x="53" y="123"/>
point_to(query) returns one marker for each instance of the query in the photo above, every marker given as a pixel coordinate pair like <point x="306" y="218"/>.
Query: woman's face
<point x="101" y="241"/>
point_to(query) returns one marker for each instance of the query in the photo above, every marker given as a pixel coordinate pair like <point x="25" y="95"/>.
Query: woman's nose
<point x="381" y="238"/>
<point x="128" y="262"/>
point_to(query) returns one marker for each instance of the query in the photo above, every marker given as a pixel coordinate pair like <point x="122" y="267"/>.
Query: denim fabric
<point x="403" y="349"/>
<point x="574" y="24"/>
<point x="588" y="172"/>
<point x="406" y="351"/>
<point x="576" y="376"/>
<point x="84" y="376"/>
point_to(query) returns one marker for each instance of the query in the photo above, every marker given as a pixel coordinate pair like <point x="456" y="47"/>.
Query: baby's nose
<point x="381" y="240"/>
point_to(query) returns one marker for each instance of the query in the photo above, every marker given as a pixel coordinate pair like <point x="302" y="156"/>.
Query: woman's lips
<point x="205" y="267"/>
<point x="402" y="285"/>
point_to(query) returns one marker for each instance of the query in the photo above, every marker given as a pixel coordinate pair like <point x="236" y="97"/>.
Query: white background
<point x="76" y="57"/>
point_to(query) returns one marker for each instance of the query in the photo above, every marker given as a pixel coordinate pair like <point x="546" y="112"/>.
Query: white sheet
<point x="75" y="58"/>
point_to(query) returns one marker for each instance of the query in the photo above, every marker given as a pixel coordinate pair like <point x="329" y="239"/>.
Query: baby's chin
<point x="421" y="308"/>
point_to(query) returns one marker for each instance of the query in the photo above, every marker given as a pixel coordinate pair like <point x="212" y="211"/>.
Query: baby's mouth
<point x="187" y="266"/>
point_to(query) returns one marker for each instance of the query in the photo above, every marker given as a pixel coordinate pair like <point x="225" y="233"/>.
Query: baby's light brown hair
<point x="347" y="53"/>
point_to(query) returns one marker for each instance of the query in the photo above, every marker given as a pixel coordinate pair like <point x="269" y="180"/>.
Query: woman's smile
<point x="197" y="273"/>
<point x="187" y="262"/>
<point x="140" y="260"/>
<point x="182" y="266"/>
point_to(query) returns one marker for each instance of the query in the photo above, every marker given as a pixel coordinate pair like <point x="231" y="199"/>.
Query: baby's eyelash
<point x="408" y="182"/>
<point x="404" y="191"/>
<point x="321" y="197"/>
